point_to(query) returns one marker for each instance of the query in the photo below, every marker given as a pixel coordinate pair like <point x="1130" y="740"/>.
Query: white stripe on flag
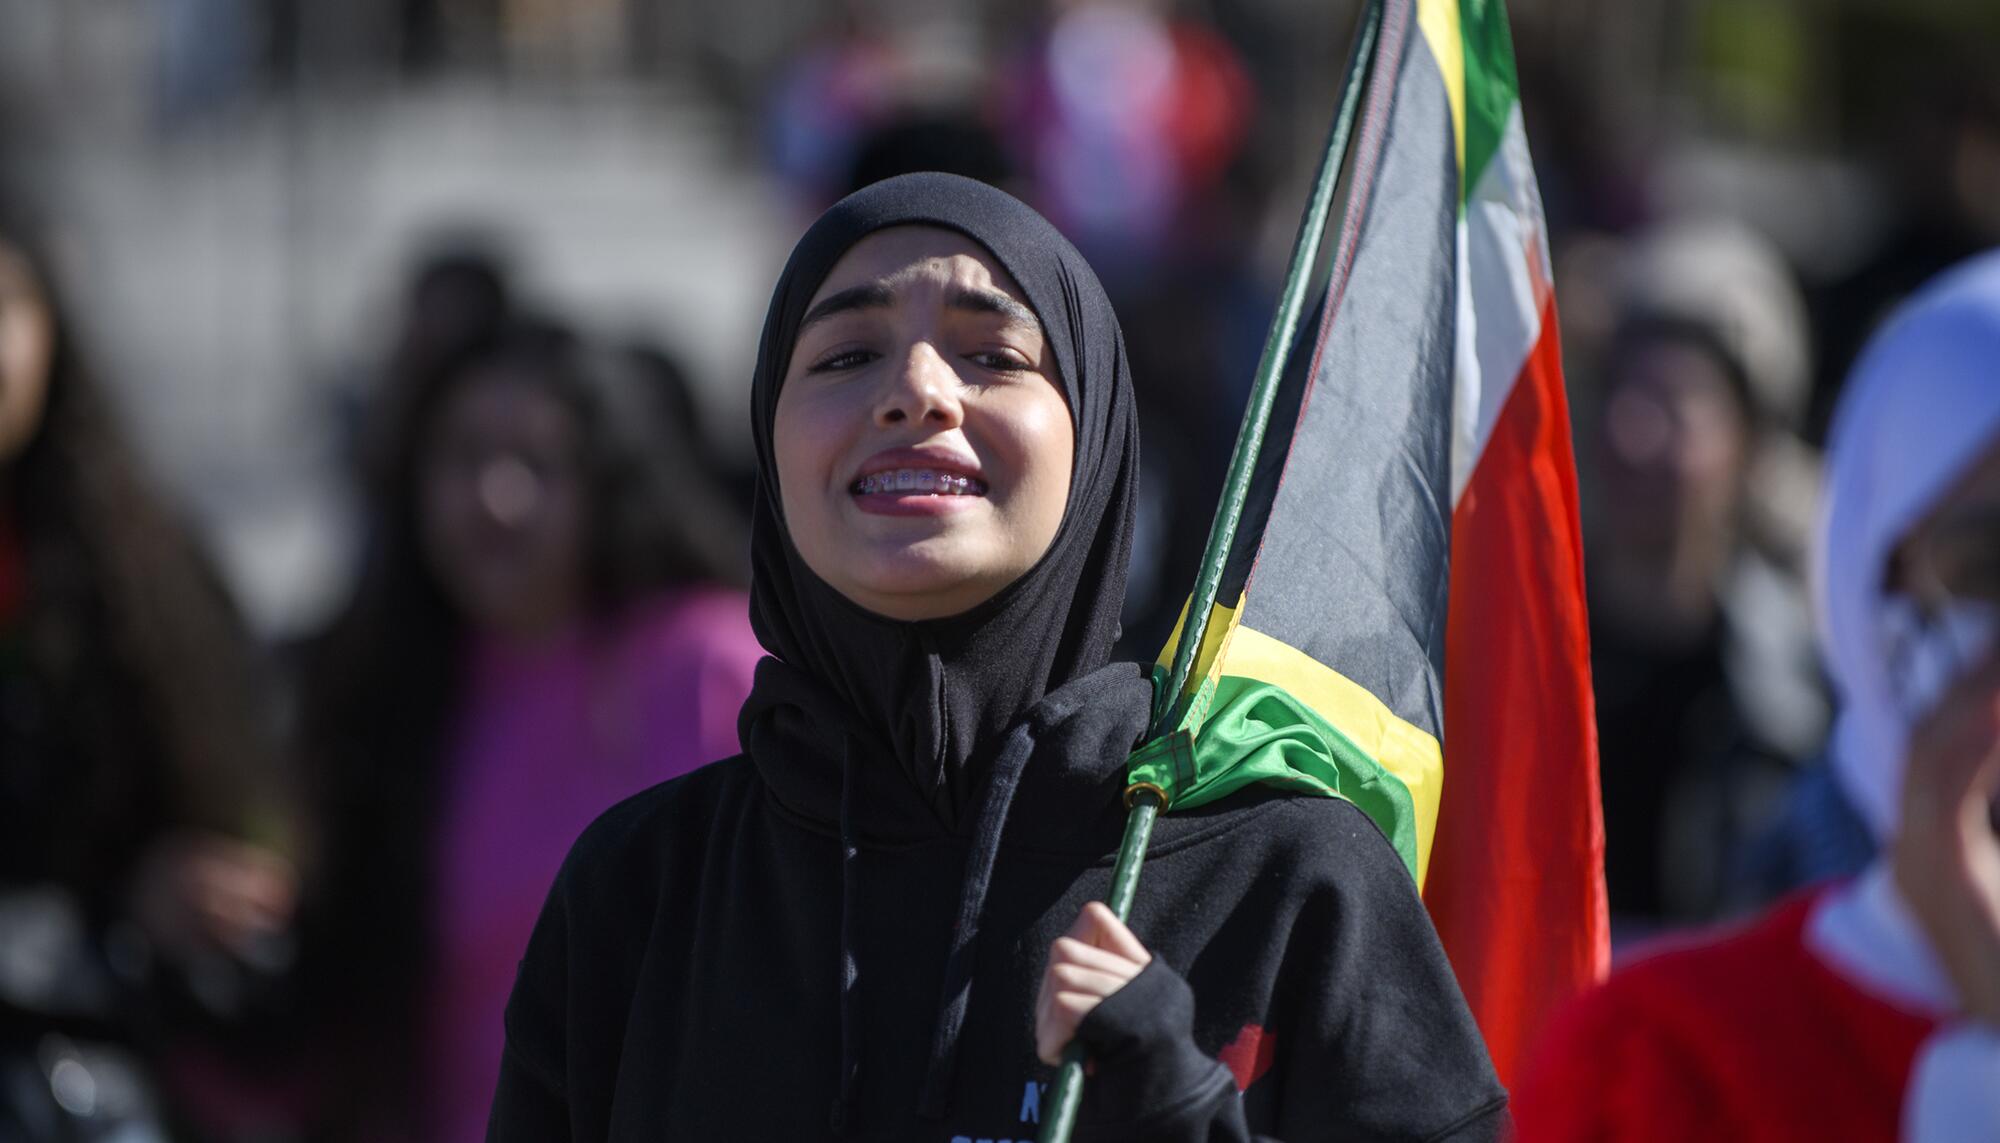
<point x="1503" y="282"/>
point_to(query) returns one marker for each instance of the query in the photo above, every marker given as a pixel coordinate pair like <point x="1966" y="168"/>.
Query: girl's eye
<point x="842" y="360"/>
<point x="1001" y="360"/>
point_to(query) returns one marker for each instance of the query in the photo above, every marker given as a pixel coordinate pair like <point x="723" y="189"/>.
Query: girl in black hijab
<point x="843" y="931"/>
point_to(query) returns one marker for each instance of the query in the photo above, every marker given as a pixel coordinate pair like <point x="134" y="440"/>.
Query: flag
<point x="1399" y="619"/>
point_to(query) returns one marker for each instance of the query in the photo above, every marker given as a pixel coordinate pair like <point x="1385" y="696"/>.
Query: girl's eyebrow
<point x="867" y="296"/>
<point x="881" y="295"/>
<point x="991" y="302"/>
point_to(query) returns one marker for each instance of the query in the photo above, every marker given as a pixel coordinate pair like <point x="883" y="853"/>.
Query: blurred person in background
<point x="1930" y="121"/>
<point x="662" y="374"/>
<point x="145" y="892"/>
<point x="1126" y="117"/>
<point x="878" y="91"/>
<point x="455" y="293"/>
<point x="542" y="628"/>
<point x="1701" y="646"/>
<point x="1870" y="1008"/>
<point x="955" y="140"/>
<point x="459" y="292"/>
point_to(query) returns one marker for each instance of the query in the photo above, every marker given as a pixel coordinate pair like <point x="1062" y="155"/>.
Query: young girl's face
<point x="501" y="504"/>
<point x="923" y="442"/>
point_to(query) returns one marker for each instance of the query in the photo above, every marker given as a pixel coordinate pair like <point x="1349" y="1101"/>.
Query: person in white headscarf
<point x="1869" y="1008"/>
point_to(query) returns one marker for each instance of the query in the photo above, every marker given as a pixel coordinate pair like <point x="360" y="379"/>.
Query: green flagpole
<point x="1059" y="1106"/>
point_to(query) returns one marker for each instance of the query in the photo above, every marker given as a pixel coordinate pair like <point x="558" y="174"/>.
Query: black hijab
<point x="938" y="696"/>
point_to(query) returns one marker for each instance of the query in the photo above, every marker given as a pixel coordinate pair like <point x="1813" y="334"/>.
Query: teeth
<point x="919" y="480"/>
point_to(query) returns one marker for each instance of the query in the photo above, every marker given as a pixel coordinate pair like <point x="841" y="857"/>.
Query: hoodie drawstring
<point x="843" y="1104"/>
<point x="957" y="992"/>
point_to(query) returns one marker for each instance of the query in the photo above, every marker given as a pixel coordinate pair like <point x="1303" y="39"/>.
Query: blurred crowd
<point x="264" y="887"/>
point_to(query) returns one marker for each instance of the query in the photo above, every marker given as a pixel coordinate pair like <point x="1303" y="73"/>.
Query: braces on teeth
<point x="919" y="480"/>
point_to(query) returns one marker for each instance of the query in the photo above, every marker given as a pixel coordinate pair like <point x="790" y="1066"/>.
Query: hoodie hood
<point x="1921" y="406"/>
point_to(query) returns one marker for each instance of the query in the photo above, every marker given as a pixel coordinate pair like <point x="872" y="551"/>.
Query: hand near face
<point x="199" y="892"/>
<point x="1097" y="957"/>
<point x="1946" y="858"/>
<point x="27" y="348"/>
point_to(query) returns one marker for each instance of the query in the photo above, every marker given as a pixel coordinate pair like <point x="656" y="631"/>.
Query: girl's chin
<point x="918" y="585"/>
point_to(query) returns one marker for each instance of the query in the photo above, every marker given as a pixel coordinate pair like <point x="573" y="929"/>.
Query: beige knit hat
<point x="1720" y="276"/>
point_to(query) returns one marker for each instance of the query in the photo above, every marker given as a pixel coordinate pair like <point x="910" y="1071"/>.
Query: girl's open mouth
<point x="918" y="482"/>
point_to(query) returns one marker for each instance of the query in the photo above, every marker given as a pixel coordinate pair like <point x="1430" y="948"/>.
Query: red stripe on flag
<point x="1516" y="883"/>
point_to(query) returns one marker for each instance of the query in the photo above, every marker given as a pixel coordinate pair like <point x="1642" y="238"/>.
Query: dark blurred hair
<point x="383" y="683"/>
<point x="1640" y="332"/>
<point x="663" y="376"/>
<point x="458" y="293"/>
<point x="955" y="141"/>
<point x="150" y="717"/>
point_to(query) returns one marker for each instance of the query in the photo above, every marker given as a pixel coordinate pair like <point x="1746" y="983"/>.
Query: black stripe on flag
<point x="1350" y="527"/>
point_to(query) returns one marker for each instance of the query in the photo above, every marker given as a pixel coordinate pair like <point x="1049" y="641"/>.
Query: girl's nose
<point x="924" y="389"/>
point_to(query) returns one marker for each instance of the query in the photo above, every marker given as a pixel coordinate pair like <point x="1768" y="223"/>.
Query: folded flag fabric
<point x="1400" y="617"/>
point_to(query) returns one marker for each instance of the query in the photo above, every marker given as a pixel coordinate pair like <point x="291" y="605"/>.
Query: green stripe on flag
<point x="1491" y="87"/>
<point x="1257" y="732"/>
<point x="1351" y="723"/>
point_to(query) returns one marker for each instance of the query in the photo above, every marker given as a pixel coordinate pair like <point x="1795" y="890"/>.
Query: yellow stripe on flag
<point x="1222" y="623"/>
<point x="1413" y="756"/>
<point x="1406" y="751"/>
<point x="1440" y="23"/>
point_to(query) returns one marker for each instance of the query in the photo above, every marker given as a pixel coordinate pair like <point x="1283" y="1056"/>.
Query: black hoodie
<point x="840" y="933"/>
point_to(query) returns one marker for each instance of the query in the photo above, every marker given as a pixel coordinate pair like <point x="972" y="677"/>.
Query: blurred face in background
<point x="27" y="345"/>
<point x="502" y="512"/>
<point x="1674" y="446"/>
<point x="1953" y="555"/>
<point x="1948" y="568"/>
<point x="923" y="442"/>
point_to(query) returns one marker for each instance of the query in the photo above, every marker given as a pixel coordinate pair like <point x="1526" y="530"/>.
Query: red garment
<point x="1745" y="1037"/>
